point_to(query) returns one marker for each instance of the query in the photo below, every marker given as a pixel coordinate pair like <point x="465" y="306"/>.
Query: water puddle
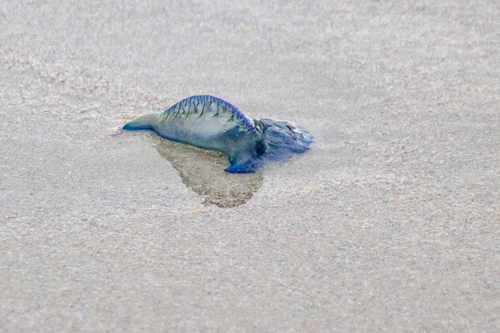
<point x="203" y="172"/>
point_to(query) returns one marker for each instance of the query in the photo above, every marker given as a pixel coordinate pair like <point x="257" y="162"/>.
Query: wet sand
<point x="391" y="222"/>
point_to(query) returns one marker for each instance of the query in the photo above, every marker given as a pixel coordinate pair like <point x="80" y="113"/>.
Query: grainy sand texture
<point x="389" y="223"/>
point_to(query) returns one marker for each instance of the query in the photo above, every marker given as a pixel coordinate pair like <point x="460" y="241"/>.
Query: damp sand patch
<point x="203" y="171"/>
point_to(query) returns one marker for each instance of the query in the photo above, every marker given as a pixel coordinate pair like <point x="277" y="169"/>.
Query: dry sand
<point x="391" y="222"/>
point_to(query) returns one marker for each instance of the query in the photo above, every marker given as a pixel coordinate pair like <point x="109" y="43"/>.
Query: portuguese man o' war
<point x="211" y="123"/>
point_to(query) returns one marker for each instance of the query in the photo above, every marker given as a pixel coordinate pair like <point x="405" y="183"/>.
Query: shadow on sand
<point x="203" y="171"/>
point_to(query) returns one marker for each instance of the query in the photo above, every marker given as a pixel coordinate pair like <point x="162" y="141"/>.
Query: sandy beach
<point x="389" y="223"/>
